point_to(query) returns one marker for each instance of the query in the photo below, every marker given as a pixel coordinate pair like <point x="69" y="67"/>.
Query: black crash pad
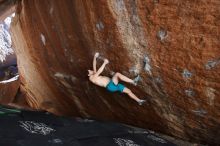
<point x="34" y="128"/>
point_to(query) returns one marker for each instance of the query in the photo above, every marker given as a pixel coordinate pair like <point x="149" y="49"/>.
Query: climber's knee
<point x="127" y="91"/>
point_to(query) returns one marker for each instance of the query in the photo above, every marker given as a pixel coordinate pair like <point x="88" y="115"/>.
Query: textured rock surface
<point x="8" y="90"/>
<point x="172" y="45"/>
<point x="6" y="8"/>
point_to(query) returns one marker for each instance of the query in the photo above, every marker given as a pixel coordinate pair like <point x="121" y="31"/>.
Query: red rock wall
<point x="8" y="90"/>
<point x="7" y="7"/>
<point x="172" y="45"/>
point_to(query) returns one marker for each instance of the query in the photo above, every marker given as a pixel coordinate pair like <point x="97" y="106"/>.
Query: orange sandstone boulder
<point x="172" y="45"/>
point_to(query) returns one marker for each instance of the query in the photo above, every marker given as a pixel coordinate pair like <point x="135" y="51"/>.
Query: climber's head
<point x="91" y="72"/>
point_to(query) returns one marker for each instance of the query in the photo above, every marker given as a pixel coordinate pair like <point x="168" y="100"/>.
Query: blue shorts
<point x="113" y="88"/>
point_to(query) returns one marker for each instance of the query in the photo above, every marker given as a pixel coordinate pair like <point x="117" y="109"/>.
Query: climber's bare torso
<point x="99" y="80"/>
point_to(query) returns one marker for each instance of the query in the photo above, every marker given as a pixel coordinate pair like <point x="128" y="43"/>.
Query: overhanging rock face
<point x="172" y="45"/>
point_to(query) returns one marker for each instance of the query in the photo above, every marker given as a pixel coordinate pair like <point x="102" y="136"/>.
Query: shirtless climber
<point x="112" y="85"/>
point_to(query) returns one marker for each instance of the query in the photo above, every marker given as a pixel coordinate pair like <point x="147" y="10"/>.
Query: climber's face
<point x="91" y="72"/>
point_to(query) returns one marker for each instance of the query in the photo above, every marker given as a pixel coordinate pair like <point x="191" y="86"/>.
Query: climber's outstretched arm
<point x="100" y="70"/>
<point x="94" y="61"/>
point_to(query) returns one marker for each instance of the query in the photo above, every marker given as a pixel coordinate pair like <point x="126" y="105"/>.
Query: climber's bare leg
<point x="130" y="94"/>
<point x="122" y="77"/>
